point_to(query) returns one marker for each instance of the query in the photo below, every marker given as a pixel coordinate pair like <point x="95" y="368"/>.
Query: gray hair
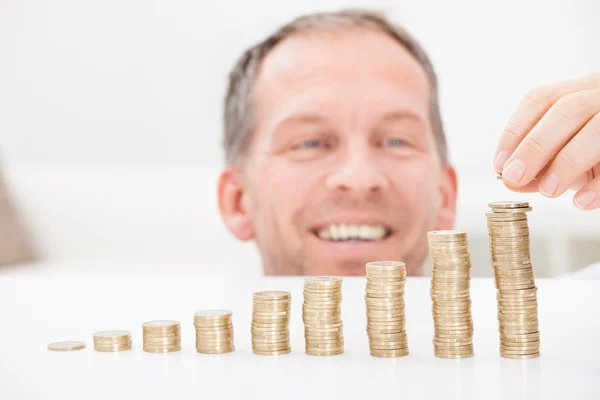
<point x="238" y="116"/>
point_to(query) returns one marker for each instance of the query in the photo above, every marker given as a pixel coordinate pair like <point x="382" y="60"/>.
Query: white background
<point x="139" y="85"/>
<point x="136" y="82"/>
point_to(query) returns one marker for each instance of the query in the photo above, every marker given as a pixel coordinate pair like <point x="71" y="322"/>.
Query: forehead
<point x="330" y="63"/>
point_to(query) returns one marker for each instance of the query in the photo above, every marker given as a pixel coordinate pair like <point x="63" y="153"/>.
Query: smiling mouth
<point x="351" y="232"/>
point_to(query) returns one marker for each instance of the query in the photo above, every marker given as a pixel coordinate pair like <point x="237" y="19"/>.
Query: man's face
<point x="342" y="168"/>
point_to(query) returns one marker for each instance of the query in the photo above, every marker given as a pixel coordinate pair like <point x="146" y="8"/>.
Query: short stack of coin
<point x="516" y="291"/>
<point x="322" y="316"/>
<point x="110" y="341"/>
<point x="450" y="294"/>
<point x="161" y="336"/>
<point x="384" y="298"/>
<point x="214" y="331"/>
<point x="270" y="323"/>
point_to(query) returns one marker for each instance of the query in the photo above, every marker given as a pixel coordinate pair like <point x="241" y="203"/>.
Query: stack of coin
<point x="270" y="323"/>
<point x="161" y="336"/>
<point x="516" y="291"/>
<point x="110" y="341"/>
<point x="450" y="294"/>
<point x="322" y="316"/>
<point x="384" y="297"/>
<point x="214" y="331"/>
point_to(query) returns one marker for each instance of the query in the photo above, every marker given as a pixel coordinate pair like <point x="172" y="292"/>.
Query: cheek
<point x="416" y="183"/>
<point x="284" y="192"/>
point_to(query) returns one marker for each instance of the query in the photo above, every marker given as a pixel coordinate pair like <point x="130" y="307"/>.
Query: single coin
<point x="323" y="280"/>
<point x="69" y="345"/>
<point x="385" y="265"/>
<point x="272" y="295"/>
<point x="111" y="334"/>
<point x="272" y="353"/>
<point x="161" y="324"/>
<point x="390" y="353"/>
<point x="508" y="204"/>
<point x="213" y="314"/>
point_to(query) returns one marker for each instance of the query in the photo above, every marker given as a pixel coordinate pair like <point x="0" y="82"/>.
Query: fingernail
<point x="585" y="199"/>
<point x="501" y="159"/>
<point x="549" y="184"/>
<point x="514" y="171"/>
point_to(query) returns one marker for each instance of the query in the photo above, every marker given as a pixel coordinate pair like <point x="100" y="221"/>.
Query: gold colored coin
<point x="272" y="353"/>
<point x="390" y="353"/>
<point x="70" y="345"/>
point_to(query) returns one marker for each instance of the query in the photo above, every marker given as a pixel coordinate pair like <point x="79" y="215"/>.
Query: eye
<point x="311" y="144"/>
<point x="394" y="142"/>
<point x="311" y="147"/>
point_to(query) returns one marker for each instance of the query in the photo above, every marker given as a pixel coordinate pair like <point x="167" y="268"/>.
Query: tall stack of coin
<point x="384" y="298"/>
<point x="322" y="316"/>
<point x="161" y="336"/>
<point x="270" y="323"/>
<point x="450" y="294"/>
<point x="109" y="341"/>
<point x="516" y="291"/>
<point x="214" y="331"/>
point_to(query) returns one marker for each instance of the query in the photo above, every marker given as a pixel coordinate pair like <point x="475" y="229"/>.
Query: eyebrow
<point x="301" y="118"/>
<point x="315" y="118"/>
<point x="400" y="115"/>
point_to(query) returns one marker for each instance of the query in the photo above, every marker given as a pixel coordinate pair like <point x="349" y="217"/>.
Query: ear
<point x="233" y="204"/>
<point x="448" y="189"/>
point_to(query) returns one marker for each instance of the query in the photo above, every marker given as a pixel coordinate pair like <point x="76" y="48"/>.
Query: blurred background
<point x="110" y="124"/>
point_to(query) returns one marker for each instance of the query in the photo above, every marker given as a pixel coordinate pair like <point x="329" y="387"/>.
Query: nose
<point x="357" y="171"/>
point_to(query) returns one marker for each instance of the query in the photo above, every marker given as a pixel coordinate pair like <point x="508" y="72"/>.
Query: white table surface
<point x="36" y="311"/>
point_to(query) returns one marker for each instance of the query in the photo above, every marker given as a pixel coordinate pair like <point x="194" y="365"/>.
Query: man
<point x="336" y="153"/>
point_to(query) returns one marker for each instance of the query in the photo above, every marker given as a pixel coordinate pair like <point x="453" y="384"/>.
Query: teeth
<point x="324" y="234"/>
<point x="335" y="232"/>
<point x="352" y="232"/>
<point x="343" y="231"/>
<point x="364" y="231"/>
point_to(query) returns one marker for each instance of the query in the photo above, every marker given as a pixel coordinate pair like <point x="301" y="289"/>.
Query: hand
<point x="554" y="135"/>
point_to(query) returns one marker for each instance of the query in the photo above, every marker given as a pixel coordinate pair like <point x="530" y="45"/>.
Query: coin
<point x="270" y="322"/>
<point x="509" y="239"/>
<point x="112" y="341"/>
<point x="214" y="331"/>
<point x="273" y="352"/>
<point x="69" y="345"/>
<point x="322" y="315"/>
<point x="314" y="352"/>
<point x="112" y="349"/>
<point x="390" y="353"/>
<point x="111" y="334"/>
<point x="161" y="336"/>
<point x="384" y="300"/>
<point x="450" y="293"/>
<point x="161" y="349"/>
<point x="508" y="204"/>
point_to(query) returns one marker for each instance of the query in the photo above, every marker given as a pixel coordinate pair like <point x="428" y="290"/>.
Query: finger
<point x="582" y="180"/>
<point x="588" y="198"/>
<point x="531" y="187"/>
<point x="576" y="158"/>
<point x="556" y="128"/>
<point x="531" y="109"/>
